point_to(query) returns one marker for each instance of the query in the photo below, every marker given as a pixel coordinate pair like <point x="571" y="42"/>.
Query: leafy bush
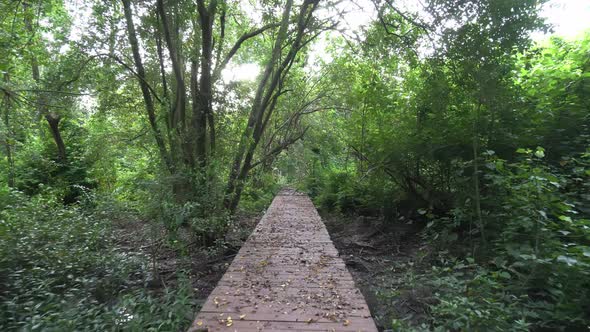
<point x="534" y="274"/>
<point x="59" y="270"/>
<point x="260" y="192"/>
<point x="348" y="193"/>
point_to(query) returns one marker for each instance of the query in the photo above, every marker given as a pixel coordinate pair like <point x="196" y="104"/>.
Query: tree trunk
<point x="205" y="93"/>
<point x="9" y="137"/>
<point x="53" y="121"/>
<point x="269" y="89"/>
<point x="477" y="194"/>
<point x="147" y="97"/>
<point x="179" y="106"/>
<point x="232" y="197"/>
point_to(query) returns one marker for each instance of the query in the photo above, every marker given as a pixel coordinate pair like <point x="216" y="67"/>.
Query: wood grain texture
<point x="286" y="277"/>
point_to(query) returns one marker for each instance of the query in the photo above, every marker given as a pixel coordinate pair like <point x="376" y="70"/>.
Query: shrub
<point x="60" y="271"/>
<point x="534" y="273"/>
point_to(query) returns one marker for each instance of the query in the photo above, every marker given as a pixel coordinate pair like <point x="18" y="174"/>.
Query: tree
<point x="190" y="136"/>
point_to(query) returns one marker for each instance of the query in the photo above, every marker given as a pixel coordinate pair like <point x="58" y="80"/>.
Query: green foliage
<point x="260" y="192"/>
<point x="535" y="275"/>
<point x="439" y="140"/>
<point x="60" y="271"/>
<point x="342" y="192"/>
<point x="38" y="170"/>
<point x="477" y="300"/>
<point x="554" y="80"/>
<point x="468" y="297"/>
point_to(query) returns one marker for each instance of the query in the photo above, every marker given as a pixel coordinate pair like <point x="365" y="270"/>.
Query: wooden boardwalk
<point x="286" y="277"/>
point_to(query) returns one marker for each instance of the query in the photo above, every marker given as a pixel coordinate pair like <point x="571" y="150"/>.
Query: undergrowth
<point x="532" y="273"/>
<point x="60" y="271"/>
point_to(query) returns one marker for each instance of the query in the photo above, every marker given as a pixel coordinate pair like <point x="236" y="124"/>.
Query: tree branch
<point x="219" y="67"/>
<point x="279" y="148"/>
<point x="405" y="17"/>
<point x="129" y="68"/>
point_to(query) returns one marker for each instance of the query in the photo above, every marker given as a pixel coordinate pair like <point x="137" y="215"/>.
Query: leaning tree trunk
<point x="232" y="196"/>
<point x="145" y="90"/>
<point x="267" y="94"/>
<point x="42" y="107"/>
<point x="53" y="121"/>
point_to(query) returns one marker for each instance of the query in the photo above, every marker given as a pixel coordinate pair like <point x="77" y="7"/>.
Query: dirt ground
<point x="204" y="266"/>
<point x="378" y="256"/>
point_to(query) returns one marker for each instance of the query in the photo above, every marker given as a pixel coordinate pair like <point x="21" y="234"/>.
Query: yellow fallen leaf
<point x="346" y="322"/>
<point x="200" y="323"/>
<point x="229" y="321"/>
<point x="242" y="316"/>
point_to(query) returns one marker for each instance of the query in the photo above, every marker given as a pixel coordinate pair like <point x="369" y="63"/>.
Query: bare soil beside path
<point x="378" y="256"/>
<point x="203" y="265"/>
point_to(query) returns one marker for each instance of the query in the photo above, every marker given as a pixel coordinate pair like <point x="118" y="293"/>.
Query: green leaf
<point x="565" y="218"/>
<point x="568" y="260"/>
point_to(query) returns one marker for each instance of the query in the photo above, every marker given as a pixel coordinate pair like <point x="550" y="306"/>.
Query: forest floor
<point x="380" y="259"/>
<point x="204" y="265"/>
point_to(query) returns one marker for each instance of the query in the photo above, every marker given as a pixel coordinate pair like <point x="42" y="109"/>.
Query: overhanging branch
<point x="280" y="148"/>
<point x="219" y="67"/>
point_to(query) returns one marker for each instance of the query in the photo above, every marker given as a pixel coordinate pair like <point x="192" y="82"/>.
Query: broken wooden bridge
<point x="286" y="277"/>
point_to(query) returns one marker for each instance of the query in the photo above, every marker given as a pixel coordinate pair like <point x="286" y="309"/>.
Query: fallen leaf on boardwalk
<point x="199" y="323"/>
<point x="346" y="322"/>
<point x="242" y="316"/>
<point x="309" y="320"/>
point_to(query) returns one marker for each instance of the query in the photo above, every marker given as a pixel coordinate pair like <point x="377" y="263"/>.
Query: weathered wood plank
<point x="286" y="277"/>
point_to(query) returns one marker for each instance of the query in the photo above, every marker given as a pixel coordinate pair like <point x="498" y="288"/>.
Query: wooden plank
<point x="218" y="322"/>
<point x="287" y="277"/>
